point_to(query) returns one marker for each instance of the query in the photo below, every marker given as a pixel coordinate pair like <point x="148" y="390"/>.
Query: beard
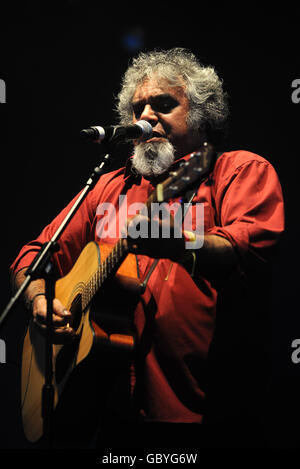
<point x="153" y="158"/>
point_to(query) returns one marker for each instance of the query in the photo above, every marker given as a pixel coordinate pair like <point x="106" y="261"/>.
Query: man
<point x="197" y="303"/>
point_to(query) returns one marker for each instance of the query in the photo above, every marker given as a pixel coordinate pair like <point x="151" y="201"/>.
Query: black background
<point x="62" y="63"/>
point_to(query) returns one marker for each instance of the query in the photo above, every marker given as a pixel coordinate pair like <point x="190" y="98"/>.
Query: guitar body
<point x="66" y="357"/>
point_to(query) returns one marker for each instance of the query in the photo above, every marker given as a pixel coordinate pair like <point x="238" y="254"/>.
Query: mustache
<point x="157" y="134"/>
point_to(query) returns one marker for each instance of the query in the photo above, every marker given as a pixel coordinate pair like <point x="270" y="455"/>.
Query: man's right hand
<point x="62" y="332"/>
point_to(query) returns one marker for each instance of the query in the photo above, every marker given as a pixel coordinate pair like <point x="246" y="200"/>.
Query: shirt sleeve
<point x="250" y="210"/>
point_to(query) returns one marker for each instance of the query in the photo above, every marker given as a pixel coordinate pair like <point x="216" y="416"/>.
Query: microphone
<point x="99" y="134"/>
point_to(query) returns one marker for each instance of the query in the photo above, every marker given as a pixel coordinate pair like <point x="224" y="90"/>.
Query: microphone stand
<point x="42" y="267"/>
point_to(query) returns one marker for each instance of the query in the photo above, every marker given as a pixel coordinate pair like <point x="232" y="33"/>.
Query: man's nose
<point x="149" y="115"/>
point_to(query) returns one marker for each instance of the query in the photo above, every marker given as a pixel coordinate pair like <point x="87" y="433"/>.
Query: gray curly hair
<point x="204" y="89"/>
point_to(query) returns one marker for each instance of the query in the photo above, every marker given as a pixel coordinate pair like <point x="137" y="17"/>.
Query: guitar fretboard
<point x="105" y="269"/>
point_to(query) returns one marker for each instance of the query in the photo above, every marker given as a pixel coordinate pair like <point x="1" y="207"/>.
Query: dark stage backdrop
<point x="61" y="64"/>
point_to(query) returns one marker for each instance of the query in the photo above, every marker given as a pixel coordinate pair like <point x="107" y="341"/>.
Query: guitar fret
<point x="89" y="292"/>
<point x="84" y="297"/>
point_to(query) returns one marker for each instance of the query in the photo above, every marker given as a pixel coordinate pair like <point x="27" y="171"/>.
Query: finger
<point x="61" y="335"/>
<point x="61" y="316"/>
<point x="40" y="307"/>
<point x="60" y="310"/>
<point x="56" y="324"/>
<point x="57" y="321"/>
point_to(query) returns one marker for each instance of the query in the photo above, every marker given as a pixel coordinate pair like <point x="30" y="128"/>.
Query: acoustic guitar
<point x="95" y="265"/>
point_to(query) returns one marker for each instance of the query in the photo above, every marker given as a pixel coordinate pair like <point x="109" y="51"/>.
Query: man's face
<point x="166" y="108"/>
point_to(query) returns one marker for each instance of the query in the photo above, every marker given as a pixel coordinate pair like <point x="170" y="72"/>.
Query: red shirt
<point x="243" y="202"/>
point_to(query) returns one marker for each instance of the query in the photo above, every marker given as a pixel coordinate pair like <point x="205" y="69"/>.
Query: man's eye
<point x="161" y="105"/>
<point x="164" y="106"/>
<point x="137" y="110"/>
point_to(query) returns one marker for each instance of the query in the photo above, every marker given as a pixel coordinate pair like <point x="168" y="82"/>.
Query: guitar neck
<point x="108" y="267"/>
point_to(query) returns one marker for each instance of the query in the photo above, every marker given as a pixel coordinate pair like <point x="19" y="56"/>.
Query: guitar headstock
<point x="188" y="173"/>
